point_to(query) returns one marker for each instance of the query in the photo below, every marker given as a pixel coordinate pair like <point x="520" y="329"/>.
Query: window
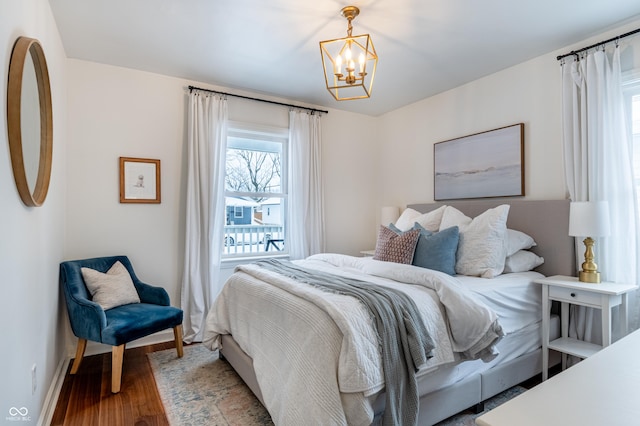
<point x="635" y="132"/>
<point x="632" y="98"/>
<point x="255" y="191"/>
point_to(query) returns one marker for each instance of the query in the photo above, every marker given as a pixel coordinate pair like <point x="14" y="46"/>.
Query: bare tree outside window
<point x="253" y="171"/>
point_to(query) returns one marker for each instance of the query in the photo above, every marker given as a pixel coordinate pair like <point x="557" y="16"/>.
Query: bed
<point x="263" y="351"/>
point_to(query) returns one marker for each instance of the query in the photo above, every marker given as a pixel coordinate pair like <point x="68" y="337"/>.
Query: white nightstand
<point x="568" y="290"/>
<point x="368" y="253"/>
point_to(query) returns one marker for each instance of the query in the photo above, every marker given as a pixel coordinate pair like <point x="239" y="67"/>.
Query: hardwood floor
<point x="86" y="398"/>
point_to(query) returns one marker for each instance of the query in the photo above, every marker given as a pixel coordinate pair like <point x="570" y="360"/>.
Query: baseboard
<point x="51" y="401"/>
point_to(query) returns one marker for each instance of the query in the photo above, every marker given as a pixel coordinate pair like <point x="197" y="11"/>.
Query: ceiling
<point x="271" y="46"/>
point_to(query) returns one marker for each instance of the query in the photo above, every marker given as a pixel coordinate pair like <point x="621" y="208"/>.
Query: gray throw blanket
<point x="403" y="338"/>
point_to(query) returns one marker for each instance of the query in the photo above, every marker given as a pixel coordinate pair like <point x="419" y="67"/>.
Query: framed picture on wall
<point x="139" y="180"/>
<point x="482" y="165"/>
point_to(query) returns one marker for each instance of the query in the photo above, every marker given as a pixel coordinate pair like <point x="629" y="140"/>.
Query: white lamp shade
<point x="389" y="215"/>
<point x="589" y="219"/>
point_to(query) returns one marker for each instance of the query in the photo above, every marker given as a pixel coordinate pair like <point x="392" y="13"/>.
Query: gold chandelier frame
<point x="345" y="79"/>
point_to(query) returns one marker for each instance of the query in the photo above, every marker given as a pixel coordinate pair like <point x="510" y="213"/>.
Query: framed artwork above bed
<point x="483" y="165"/>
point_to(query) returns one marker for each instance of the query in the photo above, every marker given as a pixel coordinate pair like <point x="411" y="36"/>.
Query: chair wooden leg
<point x="117" y="356"/>
<point x="177" y="333"/>
<point x="82" y="345"/>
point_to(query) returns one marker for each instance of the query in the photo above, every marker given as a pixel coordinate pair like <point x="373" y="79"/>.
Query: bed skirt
<point x="436" y="405"/>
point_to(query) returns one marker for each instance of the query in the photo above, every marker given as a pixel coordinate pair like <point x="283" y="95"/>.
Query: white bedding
<point x="512" y="346"/>
<point x="515" y="298"/>
<point x="257" y="315"/>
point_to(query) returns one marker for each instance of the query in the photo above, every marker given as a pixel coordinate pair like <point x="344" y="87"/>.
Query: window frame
<point x="630" y="89"/>
<point x="236" y="129"/>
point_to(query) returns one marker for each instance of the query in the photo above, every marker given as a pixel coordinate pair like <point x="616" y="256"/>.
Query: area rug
<point x="200" y="389"/>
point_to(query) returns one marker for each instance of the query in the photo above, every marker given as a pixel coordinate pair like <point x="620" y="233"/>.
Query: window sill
<point x="229" y="263"/>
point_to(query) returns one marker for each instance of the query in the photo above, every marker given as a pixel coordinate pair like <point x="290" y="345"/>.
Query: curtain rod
<point x="575" y="52"/>
<point x="256" y="99"/>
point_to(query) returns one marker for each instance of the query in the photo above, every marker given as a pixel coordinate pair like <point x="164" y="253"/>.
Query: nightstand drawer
<point x="572" y="295"/>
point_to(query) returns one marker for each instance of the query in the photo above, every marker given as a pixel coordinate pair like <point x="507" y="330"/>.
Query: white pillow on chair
<point x="115" y="288"/>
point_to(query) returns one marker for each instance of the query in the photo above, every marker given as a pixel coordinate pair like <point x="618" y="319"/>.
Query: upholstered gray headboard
<point x="547" y="221"/>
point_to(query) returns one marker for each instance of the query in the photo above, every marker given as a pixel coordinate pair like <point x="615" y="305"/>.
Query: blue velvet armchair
<point x="119" y="325"/>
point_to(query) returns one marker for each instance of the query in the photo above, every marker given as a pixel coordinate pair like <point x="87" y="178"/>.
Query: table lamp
<point x="589" y="219"/>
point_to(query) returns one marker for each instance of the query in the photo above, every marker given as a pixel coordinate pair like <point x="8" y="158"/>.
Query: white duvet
<point x="316" y="354"/>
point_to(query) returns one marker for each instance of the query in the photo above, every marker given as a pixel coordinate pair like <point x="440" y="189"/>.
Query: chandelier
<point x="349" y="63"/>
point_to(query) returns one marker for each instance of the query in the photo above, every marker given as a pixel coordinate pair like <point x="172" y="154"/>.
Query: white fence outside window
<point x="253" y="239"/>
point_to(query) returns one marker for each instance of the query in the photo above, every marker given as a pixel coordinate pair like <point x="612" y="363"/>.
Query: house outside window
<point x="255" y="191"/>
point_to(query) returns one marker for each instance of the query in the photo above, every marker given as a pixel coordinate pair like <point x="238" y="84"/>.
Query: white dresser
<point x="602" y="390"/>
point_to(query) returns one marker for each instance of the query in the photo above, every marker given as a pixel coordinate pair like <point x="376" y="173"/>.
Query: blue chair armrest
<point x="87" y="318"/>
<point x="152" y="294"/>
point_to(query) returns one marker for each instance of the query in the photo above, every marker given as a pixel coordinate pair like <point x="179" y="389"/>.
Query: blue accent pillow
<point x="435" y="250"/>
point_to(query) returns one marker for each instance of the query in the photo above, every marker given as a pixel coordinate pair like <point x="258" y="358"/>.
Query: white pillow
<point x="112" y="289"/>
<point x="517" y="240"/>
<point x="429" y="221"/>
<point x="482" y="247"/>
<point x="522" y="261"/>
<point x="406" y="220"/>
<point x="454" y="217"/>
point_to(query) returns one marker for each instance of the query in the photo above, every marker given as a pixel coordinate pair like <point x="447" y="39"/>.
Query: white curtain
<point x="598" y="166"/>
<point x="306" y="204"/>
<point x="207" y="144"/>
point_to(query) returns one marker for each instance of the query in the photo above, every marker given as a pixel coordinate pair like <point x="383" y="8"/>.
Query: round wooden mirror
<point x="30" y="120"/>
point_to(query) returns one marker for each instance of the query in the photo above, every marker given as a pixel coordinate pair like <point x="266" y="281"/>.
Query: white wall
<point x="115" y="112"/>
<point x="528" y="93"/>
<point x="350" y="155"/>
<point x="110" y="112"/>
<point x="122" y="112"/>
<point x="31" y="239"/>
<point x="368" y="162"/>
